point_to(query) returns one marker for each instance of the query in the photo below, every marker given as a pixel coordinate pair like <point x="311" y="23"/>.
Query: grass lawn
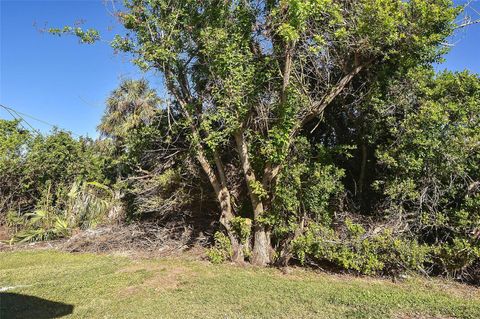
<point x="51" y="283"/>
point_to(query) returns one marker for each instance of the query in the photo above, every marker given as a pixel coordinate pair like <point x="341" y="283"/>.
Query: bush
<point x="457" y="258"/>
<point x="222" y="249"/>
<point x="39" y="225"/>
<point x="359" y="251"/>
<point x="85" y="205"/>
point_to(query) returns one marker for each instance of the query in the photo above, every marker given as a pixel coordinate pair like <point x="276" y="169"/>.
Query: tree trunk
<point x="261" y="245"/>
<point x="286" y="247"/>
<point x="225" y="218"/>
<point x="223" y="197"/>
<point x="219" y="186"/>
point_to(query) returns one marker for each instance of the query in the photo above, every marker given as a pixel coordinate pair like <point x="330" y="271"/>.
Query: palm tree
<point x="130" y="105"/>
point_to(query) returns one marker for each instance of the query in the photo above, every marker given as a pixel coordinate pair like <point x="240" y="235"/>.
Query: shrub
<point x="359" y="251"/>
<point x="41" y="225"/>
<point x="222" y="249"/>
<point x="458" y="258"/>
<point x="85" y="205"/>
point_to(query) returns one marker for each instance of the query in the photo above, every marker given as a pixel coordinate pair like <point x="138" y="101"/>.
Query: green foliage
<point x="59" y="157"/>
<point x="14" y="140"/>
<point x="41" y="224"/>
<point x="293" y="17"/>
<point x="88" y="204"/>
<point x="333" y="108"/>
<point x="307" y="189"/>
<point x="433" y="162"/>
<point x="222" y="249"/>
<point x="455" y="258"/>
<point x="242" y="228"/>
<point x="129" y="106"/>
<point x="85" y="36"/>
<point x="257" y="189"/>
<point x="84" y="206"/>
<point x="355" y="250"/>
<point x="40" y="182"/>
<point x="275" y="146"/>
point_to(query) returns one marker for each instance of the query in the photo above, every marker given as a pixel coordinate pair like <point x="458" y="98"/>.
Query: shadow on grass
<point x="14" y="305"/>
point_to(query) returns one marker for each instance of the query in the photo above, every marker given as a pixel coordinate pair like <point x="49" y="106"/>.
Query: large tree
<point x="251" y="78"/>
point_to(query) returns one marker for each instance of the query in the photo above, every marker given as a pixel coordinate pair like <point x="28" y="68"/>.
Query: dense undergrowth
<point x="54" y="184"/>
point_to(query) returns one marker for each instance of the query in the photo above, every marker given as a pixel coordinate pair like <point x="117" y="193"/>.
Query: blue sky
<point x="64" y="83"/>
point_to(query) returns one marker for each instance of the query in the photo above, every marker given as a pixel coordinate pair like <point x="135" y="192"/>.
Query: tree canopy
<point x="250" y="76"/>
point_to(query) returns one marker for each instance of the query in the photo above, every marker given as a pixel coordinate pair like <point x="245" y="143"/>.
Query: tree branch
<point x="319" y="106"/>
<point x="248" y="171"/>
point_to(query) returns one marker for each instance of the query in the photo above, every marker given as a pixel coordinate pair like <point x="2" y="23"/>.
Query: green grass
<point x="99" y="286"/>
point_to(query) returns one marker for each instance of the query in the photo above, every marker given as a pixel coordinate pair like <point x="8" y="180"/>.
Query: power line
<point x="22" y="116"/>
<point x="15" y="118"/>
<point x="21" y="119"/>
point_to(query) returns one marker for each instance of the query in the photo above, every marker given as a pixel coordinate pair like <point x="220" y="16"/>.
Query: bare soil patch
<point x="163" y="278"/>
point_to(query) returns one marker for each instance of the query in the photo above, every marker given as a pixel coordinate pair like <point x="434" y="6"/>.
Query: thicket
<point x="50" y="184"/>
<point x="307" y="131"/>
